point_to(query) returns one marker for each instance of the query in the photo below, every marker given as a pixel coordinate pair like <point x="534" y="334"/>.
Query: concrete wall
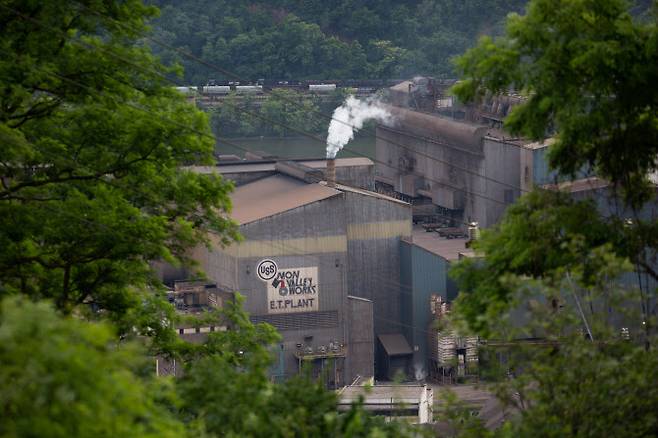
<point x="422" y="164"/>
<point x="448" y="172"/>
<point x="477" y="182"/>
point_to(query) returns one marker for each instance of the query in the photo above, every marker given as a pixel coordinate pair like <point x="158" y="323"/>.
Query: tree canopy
<point x="94" y="187"/>
<point x="63" y="377"/>
<point x="93" y="140"/>
<point x="583" y="66"/>
<point x="576" y="274"/>
<point x="587" y="68"/>
<point x="347" y="39"/>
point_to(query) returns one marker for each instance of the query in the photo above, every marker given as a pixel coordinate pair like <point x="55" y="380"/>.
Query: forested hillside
<point x="314" y="39"/>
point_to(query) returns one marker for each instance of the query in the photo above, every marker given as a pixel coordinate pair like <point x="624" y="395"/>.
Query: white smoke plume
<point x="419" y="372"/>
<point x="349" y="118"/>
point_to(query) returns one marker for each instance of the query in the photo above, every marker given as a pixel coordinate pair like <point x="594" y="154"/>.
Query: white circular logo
<point x="267" y="269"/>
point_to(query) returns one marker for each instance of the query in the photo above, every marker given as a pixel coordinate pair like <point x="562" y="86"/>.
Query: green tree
<point x="556" y="268"/>
<point x="581" y="65"/>
<point x="62" y="377"/>
<point x="585" y="67"/>
<point x="226" y="391"/>
<point x="569" y="383"/>
<point x="93" y="142"/>
<point x="311" y="39"/>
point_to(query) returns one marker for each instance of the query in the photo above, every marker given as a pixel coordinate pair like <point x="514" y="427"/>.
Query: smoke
<point x="419" y="372"/>
<point x="349" y="118"/>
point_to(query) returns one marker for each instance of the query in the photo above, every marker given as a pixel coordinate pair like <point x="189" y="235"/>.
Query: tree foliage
<point x="566" y="382"/>
<point x="359" y="39"/>
<point x="285" y="113"/>
<point x="567" y="273"/>
<point x="62" y="377"/>
<point x="93" y="139"/>
<point x="587" y="67"/>
<point x="226" y="391"/>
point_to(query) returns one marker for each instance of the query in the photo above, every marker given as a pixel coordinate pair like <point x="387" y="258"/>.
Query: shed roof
<point x="448" y="249"/>
<point x="369" y="193"/>
<point x="340" y="162"/>
<point x="274" y="194"/>
<point x="395" y="344"/>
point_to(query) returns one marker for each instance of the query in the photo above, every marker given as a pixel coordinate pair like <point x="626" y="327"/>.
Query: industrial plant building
<point x="451" y="161"/>
<point x="321" y="263"/>
<point x="462" y="171"/>
<point x="354" y="279"/>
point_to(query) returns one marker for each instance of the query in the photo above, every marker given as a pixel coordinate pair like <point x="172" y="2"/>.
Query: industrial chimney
<point x="331" y="172"/>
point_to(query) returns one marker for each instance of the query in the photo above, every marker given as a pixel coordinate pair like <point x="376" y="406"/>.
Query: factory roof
<point x="395" y="344"/>
<point x="274" y="194"/>
<point x="367" y="193"/>
<point x="499" y="137"/>
<point x="268" y="165"/>
<point x="449" y="249"/>
<point x="384" y="393"/>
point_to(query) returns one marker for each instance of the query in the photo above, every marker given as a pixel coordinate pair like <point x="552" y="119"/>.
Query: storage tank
<point x="248" y="88"/>
<point x="216" y="89"/>
<point x="321" y="88"/>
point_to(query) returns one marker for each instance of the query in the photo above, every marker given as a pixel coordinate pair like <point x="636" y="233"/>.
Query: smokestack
<point x="331" y="172"/>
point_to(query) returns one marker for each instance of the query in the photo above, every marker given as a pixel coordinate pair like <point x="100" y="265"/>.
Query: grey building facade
<point x="468" y="172"/>
<point x="335" y="253"/>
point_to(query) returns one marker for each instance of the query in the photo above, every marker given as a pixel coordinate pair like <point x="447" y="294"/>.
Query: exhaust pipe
<point x="331" y="172"/>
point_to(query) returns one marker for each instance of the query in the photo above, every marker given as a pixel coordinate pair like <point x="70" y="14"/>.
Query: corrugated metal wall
<point x="423" y="274"/>
<point x="375" y="227"/>
<point x="361" y="357"/>
<point x="353" y="240"/>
